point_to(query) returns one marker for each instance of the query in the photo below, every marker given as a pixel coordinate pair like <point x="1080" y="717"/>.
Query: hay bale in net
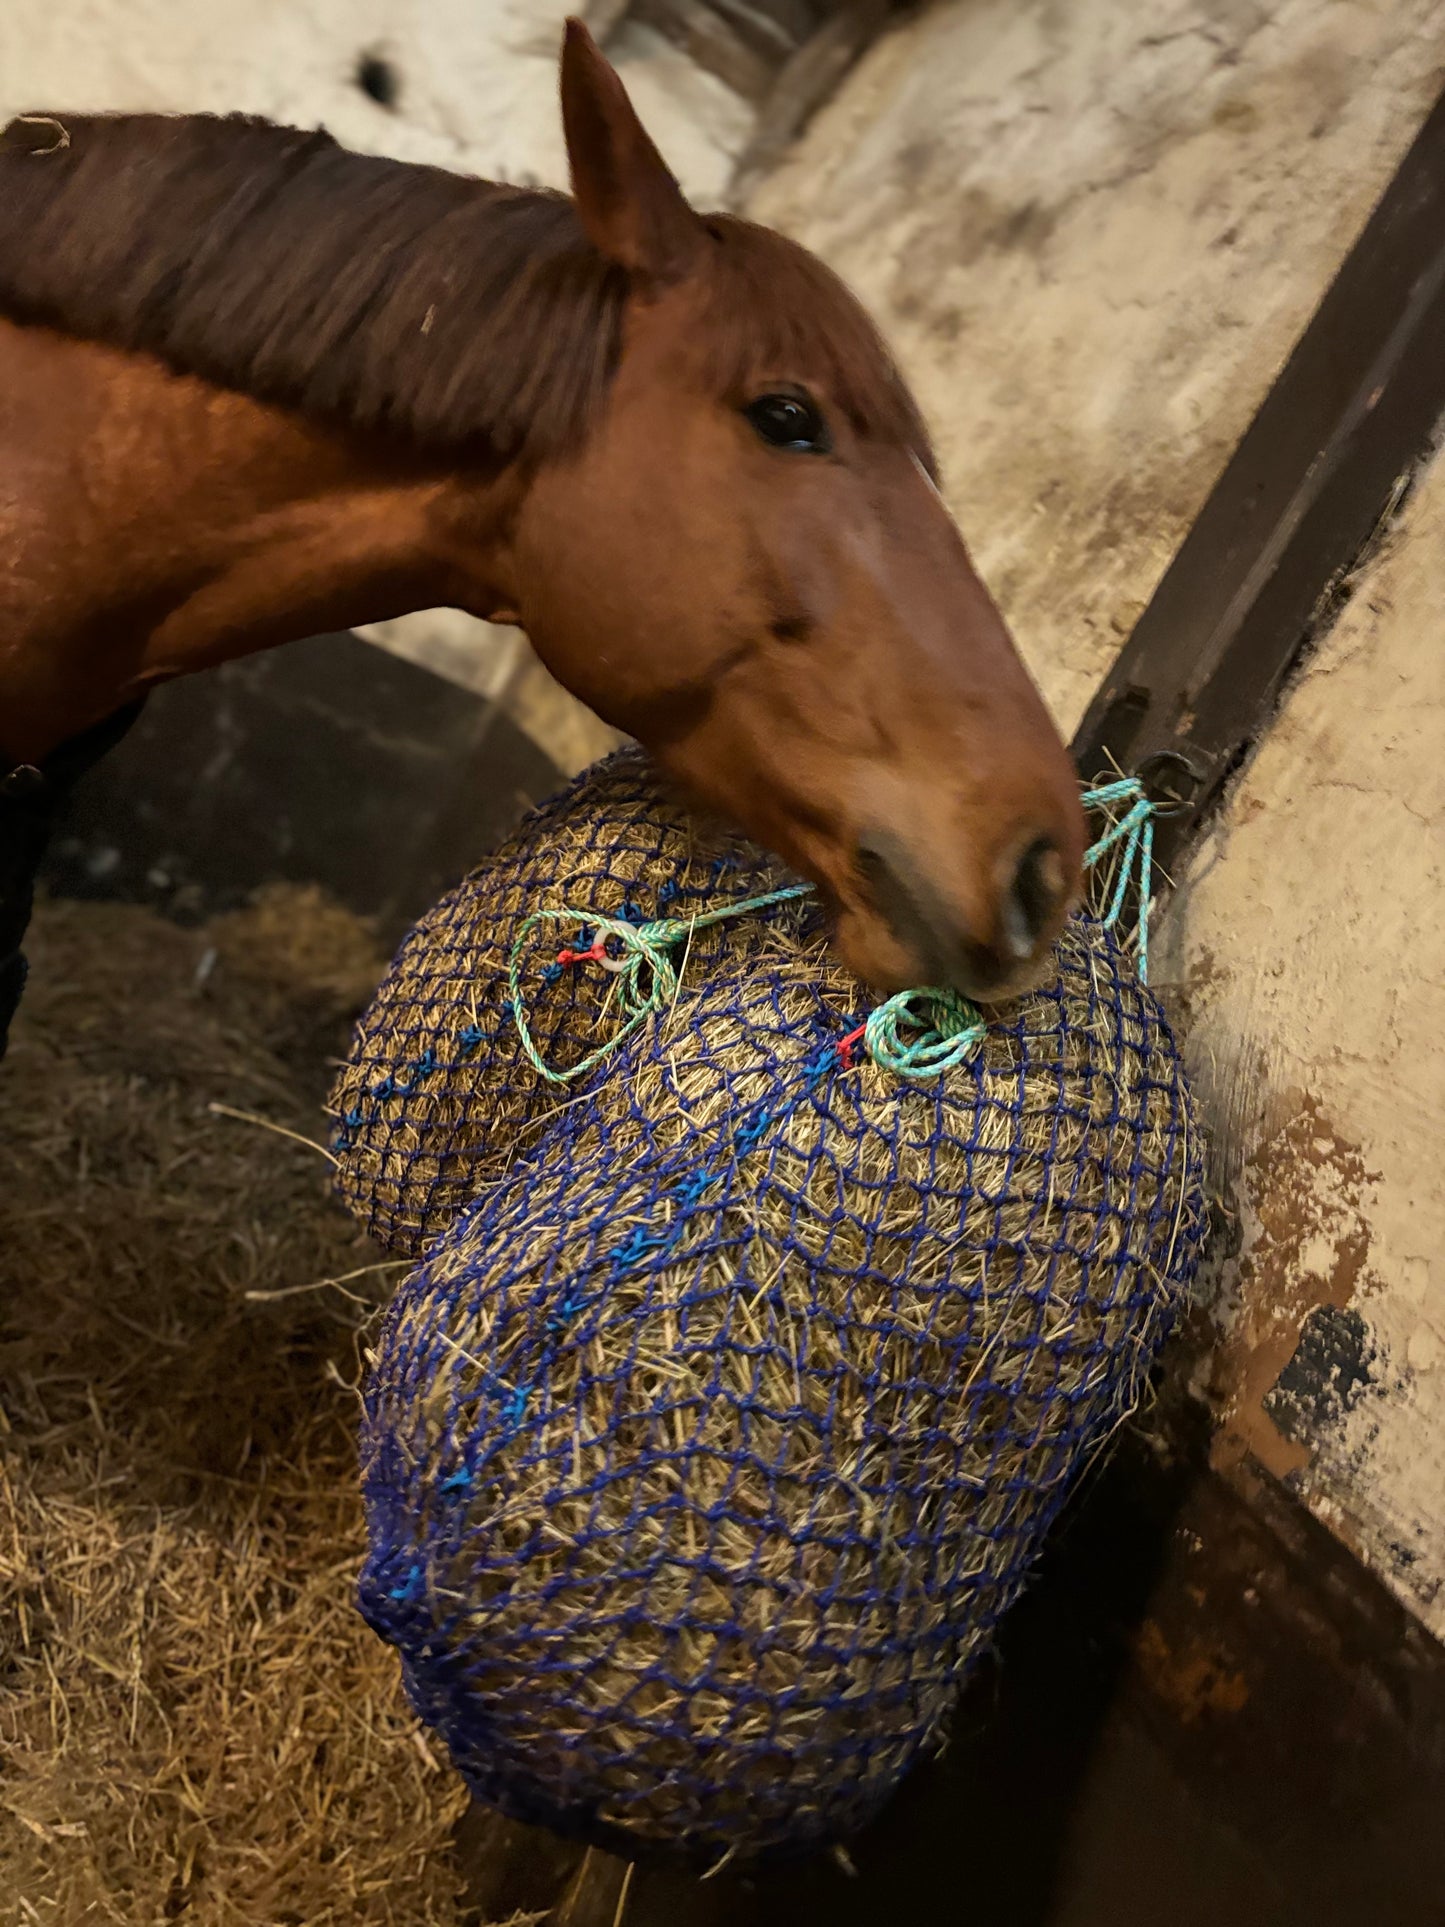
<point x="437" y="1095"/>
<point x="701" y="1458"/>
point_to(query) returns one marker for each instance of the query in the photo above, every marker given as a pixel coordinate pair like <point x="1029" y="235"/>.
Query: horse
<point x="254" y="387"/>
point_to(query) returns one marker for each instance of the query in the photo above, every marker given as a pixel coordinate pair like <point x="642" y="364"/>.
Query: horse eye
<point x="789" y="421"/>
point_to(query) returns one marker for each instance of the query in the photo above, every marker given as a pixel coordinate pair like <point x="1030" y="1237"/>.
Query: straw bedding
<point x="436" y="1097"/>
<point x="702" y="1455"/>
<point x="195" y="1723"/>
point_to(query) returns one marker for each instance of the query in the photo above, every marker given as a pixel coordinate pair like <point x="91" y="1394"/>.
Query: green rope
<point x="647" y="979"/>
<point x="946" y="1029"/>
<point x="922" y="1033"/>
<point x="917" y="1034"/>
<point x="1132" y="834"/>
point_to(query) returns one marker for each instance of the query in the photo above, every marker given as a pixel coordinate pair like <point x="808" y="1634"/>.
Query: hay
<point x="702" y="1456"/>
<point x="196" y="1723"/>
<point x="436" y="1098"/>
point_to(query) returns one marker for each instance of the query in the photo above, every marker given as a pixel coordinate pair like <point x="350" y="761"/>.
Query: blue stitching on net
<point x="685" y="1210"/>
<point x="408" y="1078"/>
<point x="682" y="1223"/>
<point x="385" y="1123"/>
<point x="917" y="1034"/>
<point x="641" y="1243"/>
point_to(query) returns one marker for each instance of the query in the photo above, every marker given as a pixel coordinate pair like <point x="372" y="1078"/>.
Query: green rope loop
<point x="946" y="1030"/>
<point x="917" y="1034"/>
<point x="646" y="977"/>
<point x="922" y="1033"/>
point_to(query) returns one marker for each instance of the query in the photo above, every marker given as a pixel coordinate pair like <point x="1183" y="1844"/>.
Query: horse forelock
<point x="462" y="314"/>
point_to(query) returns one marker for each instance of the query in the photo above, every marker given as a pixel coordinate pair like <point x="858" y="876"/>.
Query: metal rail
<point x="1352" y="413"/>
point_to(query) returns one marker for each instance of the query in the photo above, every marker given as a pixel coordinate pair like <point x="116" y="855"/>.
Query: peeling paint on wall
<point x="1315" y="1038"/>
<point x="1303" y="1199"/>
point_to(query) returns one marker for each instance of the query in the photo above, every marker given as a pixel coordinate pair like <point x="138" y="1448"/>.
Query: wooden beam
<point x="809" y="78"/>
<point x="707" y="38"/>
<point x="1353" y="411"/>
<point x="759" y="27"/>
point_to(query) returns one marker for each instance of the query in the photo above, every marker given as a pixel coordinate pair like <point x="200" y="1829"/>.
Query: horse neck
<point x="155" y="525"/>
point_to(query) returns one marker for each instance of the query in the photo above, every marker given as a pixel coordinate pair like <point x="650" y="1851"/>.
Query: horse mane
<point x="459" y="313"/>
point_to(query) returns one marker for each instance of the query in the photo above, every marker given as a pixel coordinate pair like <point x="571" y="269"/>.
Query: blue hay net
<point x="703" y="1453"/>
<point x="524" y="980"/>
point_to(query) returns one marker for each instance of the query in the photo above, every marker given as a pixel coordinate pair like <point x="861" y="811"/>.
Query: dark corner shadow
<point x="984" y="1829"/>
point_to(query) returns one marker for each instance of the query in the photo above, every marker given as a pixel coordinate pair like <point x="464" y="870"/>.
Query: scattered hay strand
<point x="196" y="1724"/>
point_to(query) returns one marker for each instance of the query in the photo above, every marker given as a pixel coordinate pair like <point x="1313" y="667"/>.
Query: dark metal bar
<point x="1352" y="412"/>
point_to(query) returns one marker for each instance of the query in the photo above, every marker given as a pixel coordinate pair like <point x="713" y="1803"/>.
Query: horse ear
<point x="632" y="209"/>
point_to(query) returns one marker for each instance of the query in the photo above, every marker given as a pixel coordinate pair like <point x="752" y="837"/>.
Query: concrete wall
<point x="478" y="78"/>
<point x="1094" y="231"/>
<point x="1309" y="937"/>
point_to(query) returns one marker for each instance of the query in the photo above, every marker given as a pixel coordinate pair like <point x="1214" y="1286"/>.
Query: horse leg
<point x="31" y="800"/>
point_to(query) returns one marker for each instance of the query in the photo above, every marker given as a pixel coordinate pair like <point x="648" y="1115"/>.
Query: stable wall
<point x="1094" y="231"/>
<point x="478" y="78"/>
<point x="1308" y="936"/>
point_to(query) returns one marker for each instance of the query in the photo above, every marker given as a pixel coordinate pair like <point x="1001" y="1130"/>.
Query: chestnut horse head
<point x="747" y="565"/>
<point x="671" y="446"/>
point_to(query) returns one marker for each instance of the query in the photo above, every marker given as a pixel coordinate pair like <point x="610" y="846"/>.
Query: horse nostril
<point x="1032" y="899"/>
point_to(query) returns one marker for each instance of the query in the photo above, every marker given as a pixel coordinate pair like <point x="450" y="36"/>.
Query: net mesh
<point x="702" y="1454"/>
<point x="437" y="1097"/>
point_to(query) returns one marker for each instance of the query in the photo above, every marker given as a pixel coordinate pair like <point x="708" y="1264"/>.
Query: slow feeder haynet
<point x="917" y="1033"/>
<point x="437" y="1096"/>
<point x="701" y="1458"/>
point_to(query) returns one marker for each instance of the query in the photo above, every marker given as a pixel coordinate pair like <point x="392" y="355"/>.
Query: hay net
<point x="437" y="1096"/>
<point x="702" y="1455"/>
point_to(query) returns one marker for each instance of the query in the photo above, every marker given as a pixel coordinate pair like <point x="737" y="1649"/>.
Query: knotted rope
<point x="916" y="1034"/>
<point x="1131" y="835"/>
<point x="647" y="978"/>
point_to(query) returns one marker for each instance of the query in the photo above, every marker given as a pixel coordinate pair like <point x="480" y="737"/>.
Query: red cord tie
<point x="847" y="1045"/>
<point x="597" y="954"/>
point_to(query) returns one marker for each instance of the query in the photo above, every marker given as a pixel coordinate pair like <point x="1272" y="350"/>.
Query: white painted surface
<point x="478" y="77"/>
<point x="1309" y="933"/>
<point x="1093" y="232"/>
